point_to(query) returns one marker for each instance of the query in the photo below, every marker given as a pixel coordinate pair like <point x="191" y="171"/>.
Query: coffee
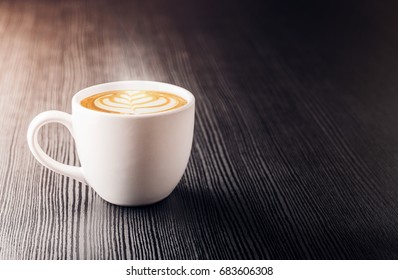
<point x="128" y="160"/>
<point x="133" y="102"/>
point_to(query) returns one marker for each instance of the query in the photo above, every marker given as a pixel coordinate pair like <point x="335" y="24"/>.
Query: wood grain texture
<point x="295" y="153"/>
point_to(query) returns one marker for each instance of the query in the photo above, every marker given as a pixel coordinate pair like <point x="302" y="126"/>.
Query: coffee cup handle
<point x="34" y="127"/>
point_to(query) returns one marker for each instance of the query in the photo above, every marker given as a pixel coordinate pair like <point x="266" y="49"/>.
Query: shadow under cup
<point x="128" y="160"/>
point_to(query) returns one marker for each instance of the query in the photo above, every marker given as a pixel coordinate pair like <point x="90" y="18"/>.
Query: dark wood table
<point x="295" y="154"/>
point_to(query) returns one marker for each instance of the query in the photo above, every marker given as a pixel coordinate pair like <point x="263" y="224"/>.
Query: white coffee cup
<point x="128" y="160"/>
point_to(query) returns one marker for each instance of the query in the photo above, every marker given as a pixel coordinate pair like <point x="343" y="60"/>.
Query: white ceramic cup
<point x="128" y="160"/>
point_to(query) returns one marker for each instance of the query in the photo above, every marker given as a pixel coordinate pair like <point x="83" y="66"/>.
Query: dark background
<point x="295" y="153"/>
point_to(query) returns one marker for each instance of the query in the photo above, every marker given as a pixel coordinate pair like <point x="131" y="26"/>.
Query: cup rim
<point x="91" y="90"/>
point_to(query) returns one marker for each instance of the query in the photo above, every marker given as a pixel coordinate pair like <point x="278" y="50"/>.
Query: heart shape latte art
<point x="133" y="102"/>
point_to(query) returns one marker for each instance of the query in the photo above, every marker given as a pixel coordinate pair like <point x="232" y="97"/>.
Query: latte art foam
<point x="133" y="102"/>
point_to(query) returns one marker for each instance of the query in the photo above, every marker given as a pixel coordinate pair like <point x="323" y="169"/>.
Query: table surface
<point x="295" y="153"/>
